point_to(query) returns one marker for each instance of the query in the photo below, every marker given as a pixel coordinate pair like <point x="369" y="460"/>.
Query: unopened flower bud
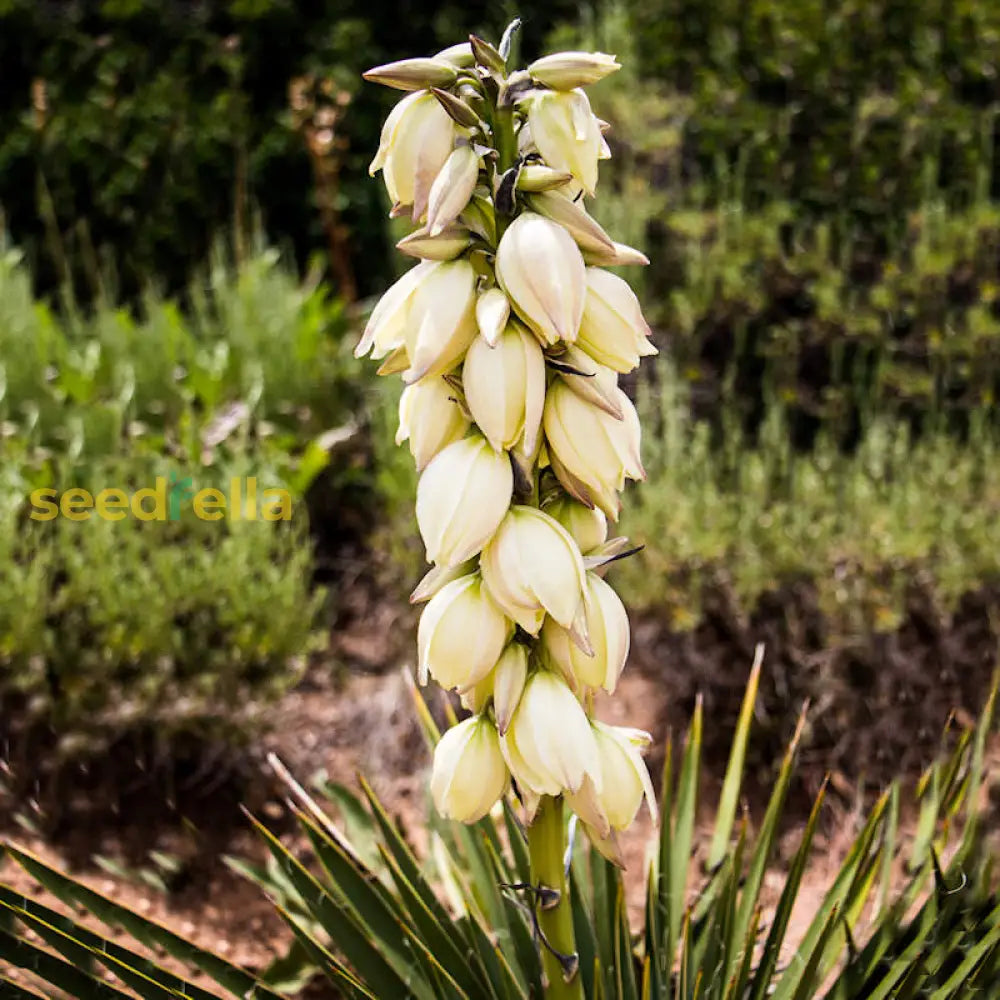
<point x="458" y="55"/>
<point x="452" y="188"/>
<point x="607" y="632"/>
<point x="386" y="327"/>
<point x="587" y="525"/>
<point x="505" y="387"/>
<point x="590" y="237"/>
<point x="591" y="452"/>
<point x="549" y="746"/>
<point x="504" y="684"/>
<point x="441" y="321"/>
<point x="492" y="313"/>
<point x="538" y="177"/>
<point x="430" y="419"/>
<point x="461" y="634"/>
<point x="566" y="133"/>
<point x="447" y="245"/>
<point x="469" y="775"/>
<point x="413" y="74"/>
<point x="569" y="70"/>
<point x="532" y="567"/>
<point x="619" y="255"/>
<point x="542" y="272"/>
<point x="613" y="331"/>
<point x="458" y="110"/>
<point x="462" y="497"/>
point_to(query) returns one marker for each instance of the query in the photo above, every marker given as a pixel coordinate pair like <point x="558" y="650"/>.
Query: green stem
<point x="546" y="845"/>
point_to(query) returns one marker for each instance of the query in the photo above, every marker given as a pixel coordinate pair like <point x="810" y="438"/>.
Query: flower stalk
<point x="510" y="339"/>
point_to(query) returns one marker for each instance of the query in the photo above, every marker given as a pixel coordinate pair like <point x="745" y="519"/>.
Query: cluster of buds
<point x="510" y="336"/>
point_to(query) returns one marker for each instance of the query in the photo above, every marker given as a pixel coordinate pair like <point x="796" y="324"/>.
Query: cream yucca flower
<point x="417" y="140"/>
<point x="430" y="418"/>
<point x="532" y="567"/>
<point x="461" y="634"/>
<point x="613" y="331"/>
<point x="469" y="775"/>
<point x="592" y="452"/>
<point x="541" y="270"/>
<point x="550" y="746"/>
<point x="587" y="525"/>
<point x="566" y="133"/>
<point x="505" y="387"/>
<point x="492" y="313"/>
<point x="440" y="319"/>
<point x="607" y="633"/>
<point x="386" y="327"/>
<point x="462" y="497"/>
<point x="569" y="70"/>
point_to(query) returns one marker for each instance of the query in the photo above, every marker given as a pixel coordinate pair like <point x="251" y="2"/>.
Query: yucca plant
<point x="379" y="922"/>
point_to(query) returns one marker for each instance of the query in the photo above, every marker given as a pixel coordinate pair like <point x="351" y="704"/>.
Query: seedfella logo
<point x="164" y="501"/>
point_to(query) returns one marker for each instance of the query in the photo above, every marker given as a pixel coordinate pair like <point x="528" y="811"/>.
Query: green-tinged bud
<point x="595" y="383"/>
<point x="504" y="684"/>
<point x="447" y="245"/>
<point x="441" y="321"/>
<point x="452" y="189"/>
<point x="538" y="177"/>
<point x="461" y="634"/>
<point x="462" y="497"/>
<point x="587" y="525"/>
<point x="469" y="775"/>
<point x="458" y="110"/>
<point x="591" y="452"/>
<point x="417" y="140"/>
<point x="492" y="313"/>
<point x="505" y="387"/>
<point x="590" y="237"/>
<point x="430" y="419"/>
<point x="532" y="567"/>
<point x="479" y="217"/>
<point x="459" y="55"/>
<point x="608" y="633"/>
<point x="619" y="255"/>
<point x="413" y="74"/>
<point x="541" y="270"/>
<point x="569" y="70"/>
<point x="386" y="327"/>
<point x="487" y="55"/>
<point x="565" y="131"/>
<point x="613" y="331"/>
<point x="396" y="363"/>
<point x="549" y="746"/>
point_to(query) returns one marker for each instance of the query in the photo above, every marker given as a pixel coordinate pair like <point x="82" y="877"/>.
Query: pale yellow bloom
<point x="469" y="775"/>
<point x="566" y="133"/>
<point x="613" y="331"/>
<point x="504" y="685"/>
<point x="440" y="319"/>
<point x="607" y="632"/>
<point x="452" y="188"/>
<point x="533" y="567"/>
<point x="430" y="418"/>
<point x="591" y="452"/>
<point x="386" y="327"/>
<point x="550" y="746"/>
<point x="461" y="634"/>
<point x="462" y="496"/>
<point x="505" y="387"/>
<point x="540" y="268"/>
<point x="587" y="525"/>
<point x="492" y="313"/>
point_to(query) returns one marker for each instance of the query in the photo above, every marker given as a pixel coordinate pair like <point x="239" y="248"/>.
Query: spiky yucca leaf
<point x="379" y="921"/>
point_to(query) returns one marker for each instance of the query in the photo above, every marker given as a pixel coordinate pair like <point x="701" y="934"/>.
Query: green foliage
<point x="386" y="923"/>
<point x="757" y="514"/>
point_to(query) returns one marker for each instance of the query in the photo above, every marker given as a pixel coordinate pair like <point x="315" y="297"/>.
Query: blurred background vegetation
<point x="193" y="239"/>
